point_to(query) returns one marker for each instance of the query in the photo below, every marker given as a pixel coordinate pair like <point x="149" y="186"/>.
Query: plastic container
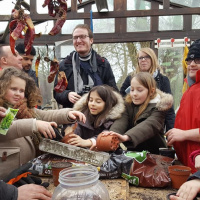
<point x="80" y="183"/>
<point x="56" y="168"/>
<point x="178" y="175"/>
<point x="107" y="142"/>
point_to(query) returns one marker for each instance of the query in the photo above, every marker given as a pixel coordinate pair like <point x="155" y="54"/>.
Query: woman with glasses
<point x="84" y="68"/>
<point x="147" y="62"/>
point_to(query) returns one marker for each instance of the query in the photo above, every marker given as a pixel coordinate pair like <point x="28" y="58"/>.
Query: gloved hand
<point x="59" y="135"/>
<point x="23" y="175"/>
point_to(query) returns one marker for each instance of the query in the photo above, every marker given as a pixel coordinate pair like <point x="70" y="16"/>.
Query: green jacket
<point x="147" y="133"/>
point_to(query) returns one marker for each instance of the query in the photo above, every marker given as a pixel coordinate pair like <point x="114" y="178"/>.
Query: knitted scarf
<point x="89" y="65"/>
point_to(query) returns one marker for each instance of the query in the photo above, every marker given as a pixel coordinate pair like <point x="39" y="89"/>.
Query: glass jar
<point x="80" y="183"/>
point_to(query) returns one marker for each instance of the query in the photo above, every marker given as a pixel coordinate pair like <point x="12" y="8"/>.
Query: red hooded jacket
<point x="188" y="117"/>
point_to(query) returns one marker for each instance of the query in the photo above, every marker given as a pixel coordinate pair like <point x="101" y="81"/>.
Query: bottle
<point x="80" y="183"/>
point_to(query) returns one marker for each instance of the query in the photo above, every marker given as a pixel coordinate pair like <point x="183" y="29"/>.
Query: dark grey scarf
<point x="78" y="82"/>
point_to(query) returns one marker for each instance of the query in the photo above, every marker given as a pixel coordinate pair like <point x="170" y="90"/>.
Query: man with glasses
<point x="84" y="68"/>
<point x="185" y="137"/>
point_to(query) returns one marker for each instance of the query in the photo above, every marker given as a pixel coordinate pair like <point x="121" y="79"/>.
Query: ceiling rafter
<point x="120" y="13"/>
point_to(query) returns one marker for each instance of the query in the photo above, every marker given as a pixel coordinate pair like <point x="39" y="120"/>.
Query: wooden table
<point x="119" y="189"/>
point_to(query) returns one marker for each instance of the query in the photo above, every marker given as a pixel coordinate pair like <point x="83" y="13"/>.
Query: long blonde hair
<point x="154" y="60"/>
<point x="146" y="80"/>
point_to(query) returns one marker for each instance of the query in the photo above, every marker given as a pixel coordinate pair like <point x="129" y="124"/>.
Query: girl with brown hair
<point x="101" y="106"/>
<point x="142" y="123"/>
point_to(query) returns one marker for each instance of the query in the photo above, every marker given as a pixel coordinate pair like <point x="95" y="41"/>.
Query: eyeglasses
<point x="82" y="37"/>
<point x="144" y="57"/>
<point x="196" y="61"/>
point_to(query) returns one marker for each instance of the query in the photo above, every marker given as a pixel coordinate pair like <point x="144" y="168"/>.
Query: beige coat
<point x="18" y="145"/>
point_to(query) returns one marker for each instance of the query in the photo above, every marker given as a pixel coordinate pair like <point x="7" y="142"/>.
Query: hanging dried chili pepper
<point x="53" y="70"/>
<point x="37" y="62"/>
<point x="21" y="22"/>
<point x="62" y="82"/>
<point x="54" y="7"/>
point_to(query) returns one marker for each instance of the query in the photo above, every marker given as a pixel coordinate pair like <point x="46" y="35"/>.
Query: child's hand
<point x="77" y="114"/>
<point x="188" y="190"/>
<point x="76" y="140"/>
<point x="2" y="113"/>
<point x="175" y="135"/>
<point x="46" y="129"/>
<point x="197" y="162"/>
<point x="122" y="138"/>
<point x="93" y="147"/>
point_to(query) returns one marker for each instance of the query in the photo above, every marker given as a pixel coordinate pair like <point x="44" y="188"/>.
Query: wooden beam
<point x="166" y="4"/>
<point x="117" y="38"/>
<point x="154" y="19"/>
<point x="120" y="23"/>
<point x="116" y="14"/>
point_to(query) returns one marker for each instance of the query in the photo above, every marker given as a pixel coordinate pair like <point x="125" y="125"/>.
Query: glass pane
<point x="40" y="9"/>
<point x="138" y="5"/>
<point x="66" y="50"/>
<point x="43" y="72"/>
<point x="7" y="6"/>
<point x="3" y="26"/>
<point x="69" y="25"/>
<point x="171" y="61"/>
<point x="195" y="22"/>
<point x="138" y="24"/>
<point x="189" y="3"/>
<point x="104" y="25"/>
<point x="44" y="27"/>
<point x="170" y="23"/>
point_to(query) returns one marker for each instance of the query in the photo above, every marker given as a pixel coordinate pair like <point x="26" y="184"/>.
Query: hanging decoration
<point x="57" y="7"/>
<point x="21" y="22"/>
<point x="37" y="62"/>
<point x="171" y="43"/>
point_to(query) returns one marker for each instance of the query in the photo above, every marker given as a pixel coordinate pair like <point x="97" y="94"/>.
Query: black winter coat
<point x="104" y="71"/>
<point x="8" y="192"/>
<point x="163" y="84"/>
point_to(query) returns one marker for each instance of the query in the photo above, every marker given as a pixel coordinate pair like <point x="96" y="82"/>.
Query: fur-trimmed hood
<point x="114" y="113"/>
<point x="164" y="101"/>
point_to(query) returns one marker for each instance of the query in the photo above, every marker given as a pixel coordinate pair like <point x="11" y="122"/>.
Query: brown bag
<point x="151" y="172"/>
<point x="9" y="160"/>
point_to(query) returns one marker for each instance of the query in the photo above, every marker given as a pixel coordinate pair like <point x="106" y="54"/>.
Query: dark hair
<point x="108" y="96"/>
<point x="20" y="48"/>
<point x="32" y="92"/>
<point x="84" y="26"/>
